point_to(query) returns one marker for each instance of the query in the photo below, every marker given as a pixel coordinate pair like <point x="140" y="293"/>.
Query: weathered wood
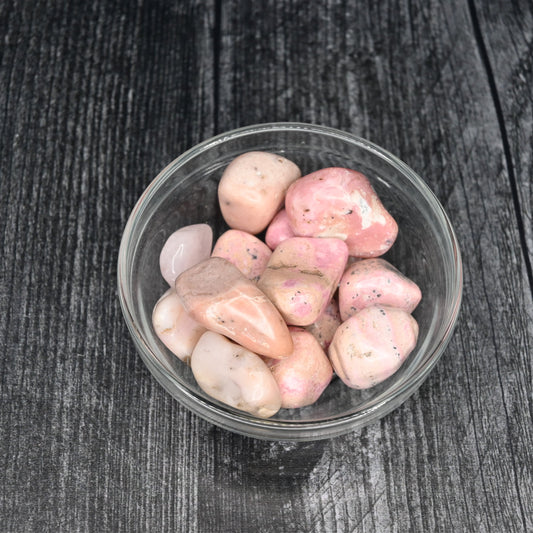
<point x="506" y="38"/>
<point x="96" y="98"/>
<point x="506" y="33"/>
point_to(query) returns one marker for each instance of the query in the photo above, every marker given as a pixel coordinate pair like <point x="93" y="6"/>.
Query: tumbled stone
<point x="303" y="376"/>
<point x="376" y="281"/>
<point x="372" y="345"/>
<point x="341" y="203"/>
<point x="252" y="189"/>
<point x="183" y="249"/>
<point x="301" y="276"/>
<point x="217" y="295"/>
<point x="278" y="230"/>
<point x="325" y="326"/>
<point x="235" y="376"/>
<point x="249" y="254"/>
<point x="176" y="329"/>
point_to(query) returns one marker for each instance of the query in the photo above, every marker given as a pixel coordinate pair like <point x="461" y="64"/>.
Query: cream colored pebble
<point x="235" y="376"/>
<point x="252" y="189"/>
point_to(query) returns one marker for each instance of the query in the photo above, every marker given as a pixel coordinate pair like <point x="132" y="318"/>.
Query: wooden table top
<point x="95" y="98"/>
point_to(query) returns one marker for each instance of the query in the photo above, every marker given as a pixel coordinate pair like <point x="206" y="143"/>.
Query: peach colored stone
<point x="217" y="295"/>
<point x="249" y="254"/>
<point x="252" y="189"/>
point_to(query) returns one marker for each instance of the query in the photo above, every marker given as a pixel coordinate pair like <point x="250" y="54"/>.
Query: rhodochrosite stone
<point x="302" y="275"/>
<point x="372" y="345"/>
<point x="183" y="249"/>
<point x="278" y="230"/>
<point x="376" y="281"/>
<point x="252" y="189"/>
<point x="176" y="329"/>
<point x="303" y="376"/>
<point x="325" y="326"/>
<point x="235" y="376"/>
<point x="244" y="250"/>
<point x="341" y="203"/>
<point x="217" y="295"/>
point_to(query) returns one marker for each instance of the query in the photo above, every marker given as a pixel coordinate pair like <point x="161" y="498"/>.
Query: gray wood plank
<point x="506" y="33"/>
<point x="506" y="37"/>
<point x="96" y="98"/>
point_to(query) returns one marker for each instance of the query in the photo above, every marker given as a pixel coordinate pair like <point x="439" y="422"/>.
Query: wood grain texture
<point x="506" y="35"/>
<point x="93" y="106"/>
<point x="95" y="98"/>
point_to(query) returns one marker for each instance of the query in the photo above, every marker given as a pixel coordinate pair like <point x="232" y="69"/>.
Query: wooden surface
<point x="95" y="98"/>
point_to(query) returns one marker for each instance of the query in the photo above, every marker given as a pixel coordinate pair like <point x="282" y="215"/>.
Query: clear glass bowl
<point x="185" y="192"/>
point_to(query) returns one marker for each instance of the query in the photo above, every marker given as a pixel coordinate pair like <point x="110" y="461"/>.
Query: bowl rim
<point x="272" y="429"/>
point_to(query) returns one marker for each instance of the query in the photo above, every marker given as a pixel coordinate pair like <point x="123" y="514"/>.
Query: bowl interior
<point x="186" y="193"/>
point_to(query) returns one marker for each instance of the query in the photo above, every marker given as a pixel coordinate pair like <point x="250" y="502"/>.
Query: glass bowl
<point x="185" y="192"/>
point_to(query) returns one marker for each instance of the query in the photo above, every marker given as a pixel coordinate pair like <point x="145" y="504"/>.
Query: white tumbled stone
<point x="183" y="249"/>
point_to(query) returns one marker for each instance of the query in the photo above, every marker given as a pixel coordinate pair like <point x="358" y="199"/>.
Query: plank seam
<point x="505" y="139"/>
<point x="482" y="49"/>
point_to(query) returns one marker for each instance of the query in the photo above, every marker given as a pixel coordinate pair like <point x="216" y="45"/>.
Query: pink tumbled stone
<point x="176" y="329"/>
<point x="303" y="376"/>
<point x="183" y="249"/>
<point x="278" y="230"/>
<point x="301" y="276"/>
<point x="325" y="326"/>
<point x="372" y="345"/>
<point x="341" y="203"/>
<point x="249" y="254"/>
<point x="376" y="281"/>
<point x="218" y="295"/>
